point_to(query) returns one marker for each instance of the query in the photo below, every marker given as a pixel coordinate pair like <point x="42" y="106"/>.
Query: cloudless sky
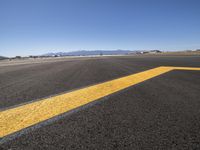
<point x="40" y="26"/>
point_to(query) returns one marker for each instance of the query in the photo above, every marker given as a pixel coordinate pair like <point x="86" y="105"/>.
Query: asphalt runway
<point x="160" y="113"/>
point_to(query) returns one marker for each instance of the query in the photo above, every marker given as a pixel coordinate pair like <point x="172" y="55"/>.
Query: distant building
<point x="33" y="56"/>
<point x="155" y="51"/>
<point x="18" y="57"/>
<point x="149" y="52"/>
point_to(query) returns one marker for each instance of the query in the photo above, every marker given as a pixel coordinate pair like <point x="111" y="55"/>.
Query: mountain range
<point x="2" y="57"/>
<point x="91" y="52"/>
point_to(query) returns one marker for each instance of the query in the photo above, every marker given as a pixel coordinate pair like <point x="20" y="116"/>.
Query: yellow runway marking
<point x="18" y="118"/>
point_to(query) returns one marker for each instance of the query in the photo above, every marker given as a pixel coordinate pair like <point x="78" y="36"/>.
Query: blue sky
<point x="31" y="27"/>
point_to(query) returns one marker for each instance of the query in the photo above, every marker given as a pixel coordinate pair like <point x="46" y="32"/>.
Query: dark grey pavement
<point x="161" y="113"/>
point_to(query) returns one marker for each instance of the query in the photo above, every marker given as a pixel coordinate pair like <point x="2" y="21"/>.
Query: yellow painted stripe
<point x="187" y="68"/>
<point x="18" y="118"/>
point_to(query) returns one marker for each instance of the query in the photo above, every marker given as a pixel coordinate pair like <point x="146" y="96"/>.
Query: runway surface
<point x="160" y="113"/>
